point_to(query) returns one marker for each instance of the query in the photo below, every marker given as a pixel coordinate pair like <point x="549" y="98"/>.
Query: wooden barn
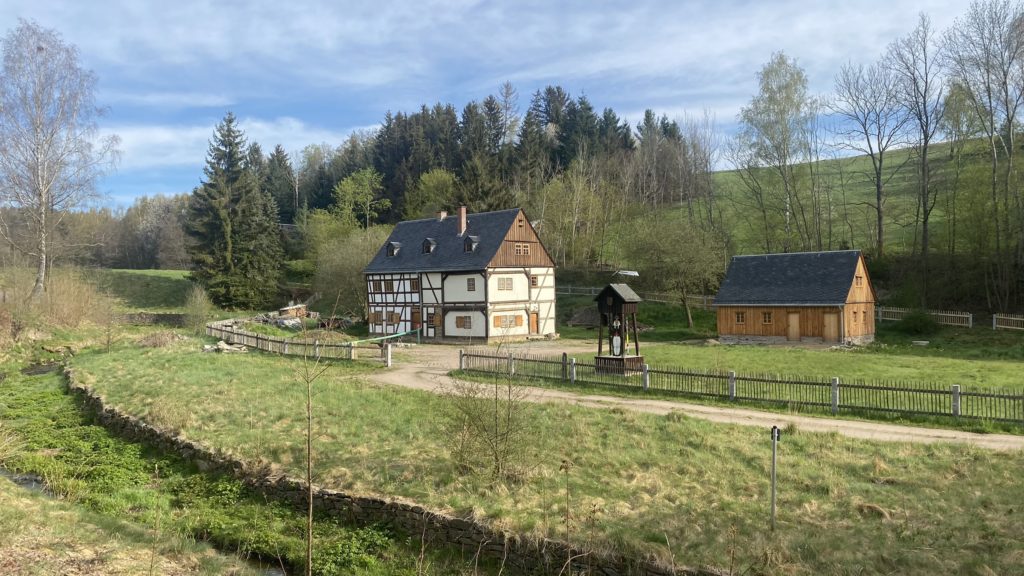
<point x="799" y="297"/>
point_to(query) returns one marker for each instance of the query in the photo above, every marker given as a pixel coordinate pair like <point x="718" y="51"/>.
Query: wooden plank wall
<point x="812" y="320"/>
<point x="521" y="231"/>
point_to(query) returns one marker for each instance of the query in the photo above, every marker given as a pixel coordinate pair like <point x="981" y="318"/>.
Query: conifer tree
<point x="232" y="226"/>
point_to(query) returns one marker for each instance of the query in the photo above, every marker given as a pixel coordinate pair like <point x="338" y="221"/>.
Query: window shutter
<point x="497" y="321"/>
<point x="519" y="320"/>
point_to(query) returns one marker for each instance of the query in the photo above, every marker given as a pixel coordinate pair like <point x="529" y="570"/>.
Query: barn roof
<point x="802" y="278"/>
<point x="486" y="229"/>
<point x="623" y="291"/>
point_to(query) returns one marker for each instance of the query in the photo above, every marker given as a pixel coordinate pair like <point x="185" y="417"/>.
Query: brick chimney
<point x="462" y="220"/>
<point x="441" y="214"/>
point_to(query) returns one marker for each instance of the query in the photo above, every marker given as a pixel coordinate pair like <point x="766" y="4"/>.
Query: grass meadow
<point x="686" y="491"/>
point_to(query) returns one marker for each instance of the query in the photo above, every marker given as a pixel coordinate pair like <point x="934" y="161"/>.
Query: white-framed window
<point x="470" y="284"/>
<point x="741" y="317"/>
<point x="504" y="283"/>
<point x="464" y="322"/>
<point x="766" y="318"/>
<point x="522" y="249"/>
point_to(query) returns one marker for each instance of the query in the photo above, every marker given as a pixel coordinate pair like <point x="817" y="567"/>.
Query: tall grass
<point x="611" y="479"/>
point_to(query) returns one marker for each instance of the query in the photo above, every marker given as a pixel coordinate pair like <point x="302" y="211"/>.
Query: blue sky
<point x="298" y="72"/>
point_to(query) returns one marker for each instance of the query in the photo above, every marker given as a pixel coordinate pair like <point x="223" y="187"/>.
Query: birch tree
<point x="51" y="153"/>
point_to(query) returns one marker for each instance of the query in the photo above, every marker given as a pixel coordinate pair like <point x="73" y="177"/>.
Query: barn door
<point x="831" y="328"/>
<point x="793" y="326"/>
<point x="533" y="322"/>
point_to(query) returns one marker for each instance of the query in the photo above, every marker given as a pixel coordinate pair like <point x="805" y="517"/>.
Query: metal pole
<point x="775" y="443"/>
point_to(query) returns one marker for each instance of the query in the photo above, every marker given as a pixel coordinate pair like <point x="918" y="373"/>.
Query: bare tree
<point x="984" y="52"/>
<point x="866" y="100"/>
<point x="915" y="60"/>
<point x="50" y="151"/>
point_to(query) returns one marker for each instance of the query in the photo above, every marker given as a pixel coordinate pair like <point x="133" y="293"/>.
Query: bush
<point x="69" y="301"/>
<point x="917" y="323"/>
<point x="197" y="309"/>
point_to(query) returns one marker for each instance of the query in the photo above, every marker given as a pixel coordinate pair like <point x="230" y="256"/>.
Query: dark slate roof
<point x="489" y="228"/>
<point x="624" y="292"/>
<point x="806" y="278"/>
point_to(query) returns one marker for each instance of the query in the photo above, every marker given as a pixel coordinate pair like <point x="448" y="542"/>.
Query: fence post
<point x="572" y="370"/>
<point x="462" y="359"/>
<point x="565" y="366"/>
<point x="316" y="348"/>
<point x="647" y="376"/>
<point x="994" y="321"/>
<point x="387" y="354"/>
<point x="732" y="385"/>
<point x="835" y="395"/>
<point x="511" y="365"/>
<point x="955" y="396"/>
<point x="970" y="320"/>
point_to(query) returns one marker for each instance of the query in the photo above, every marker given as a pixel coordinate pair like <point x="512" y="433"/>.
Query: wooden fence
<point x="946" y="317"/>
<point x="890" y="397"/>
<point x="230" y="332"/>
<point x="695" y="301"/>
<point x="1007" y="322"/>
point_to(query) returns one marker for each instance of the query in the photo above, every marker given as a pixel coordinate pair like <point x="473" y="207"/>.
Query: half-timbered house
<point x="799" y="297"/>
<point x="463" y="276"/>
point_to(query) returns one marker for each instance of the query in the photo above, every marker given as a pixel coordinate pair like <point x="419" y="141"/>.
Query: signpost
<point x="775" y="442"/>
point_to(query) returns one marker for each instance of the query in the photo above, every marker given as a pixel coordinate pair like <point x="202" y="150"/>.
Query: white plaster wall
<point x="477" y="331"/>
<point x="520" y="286"/>
<point x="455" y="288"/>
<point x="431" y="279"/>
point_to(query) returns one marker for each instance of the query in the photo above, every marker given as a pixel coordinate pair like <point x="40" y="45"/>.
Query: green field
<point x="686" y="491"/>
<point x="149" y="290"/>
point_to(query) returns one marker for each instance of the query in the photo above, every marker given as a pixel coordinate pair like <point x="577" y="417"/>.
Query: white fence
<point x="695" y="301"/>
<point x="1007" y="321"/>
<point x="946" y="317"/>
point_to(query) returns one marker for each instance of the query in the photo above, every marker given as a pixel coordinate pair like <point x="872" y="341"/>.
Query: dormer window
<point x="470" y="244"/>
<point x="429" y="245"/>
<point x="393" y="248"/>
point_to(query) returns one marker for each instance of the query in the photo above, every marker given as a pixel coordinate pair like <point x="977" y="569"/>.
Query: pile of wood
<point x="225" y="348"/>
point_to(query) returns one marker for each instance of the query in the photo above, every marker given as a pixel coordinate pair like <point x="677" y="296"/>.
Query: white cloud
<point x="148" y="147"/>
<point x="166" y="100"/>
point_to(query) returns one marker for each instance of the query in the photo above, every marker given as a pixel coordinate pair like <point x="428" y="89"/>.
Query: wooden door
<point x="533" y="322"/>
<point x="831" y="327"/>
<point x="793" y="326"/>
<point x="416" y="318"/>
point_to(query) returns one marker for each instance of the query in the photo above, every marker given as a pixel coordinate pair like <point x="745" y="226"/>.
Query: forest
<point x="910" y="158"/>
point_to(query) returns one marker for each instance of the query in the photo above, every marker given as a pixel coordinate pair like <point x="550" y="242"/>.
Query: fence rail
<point x="695" y="301"/>
<point x="230" y="332"/>
<point x="1007" y="322"/>
<point x="946" y="317"/>
<point x="918" y="398"/>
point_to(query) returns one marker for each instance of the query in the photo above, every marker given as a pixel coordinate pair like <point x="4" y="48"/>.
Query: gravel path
<point x="426" y="368"/>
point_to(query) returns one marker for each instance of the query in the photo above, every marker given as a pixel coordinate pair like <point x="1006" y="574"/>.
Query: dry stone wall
<point x="519" y="554"/>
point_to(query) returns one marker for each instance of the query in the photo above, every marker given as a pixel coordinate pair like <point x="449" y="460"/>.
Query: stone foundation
<point x="517" y="553"/>
<point x="861" y="340"/>
<point x="743" y="339"/>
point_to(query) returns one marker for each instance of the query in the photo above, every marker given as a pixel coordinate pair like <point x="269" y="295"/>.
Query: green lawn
<point x="149" y="290"/>
<point x="683" y="490"/>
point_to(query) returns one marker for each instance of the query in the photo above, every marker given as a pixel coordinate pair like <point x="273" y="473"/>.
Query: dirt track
<point x="426" y="368"/>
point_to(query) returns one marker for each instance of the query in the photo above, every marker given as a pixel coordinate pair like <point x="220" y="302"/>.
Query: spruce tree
<point x="232" y="226"/>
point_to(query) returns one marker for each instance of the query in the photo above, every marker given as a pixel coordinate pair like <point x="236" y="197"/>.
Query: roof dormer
<point x="470" y="243"/>
<point x="428" y="245"/>
<point x="393" y="248"/>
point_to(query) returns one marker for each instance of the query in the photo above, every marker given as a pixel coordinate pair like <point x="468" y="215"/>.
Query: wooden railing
<point x="1008" y="322"/>
<point x="231" y="332"/>
<point x="695" y="301"/>
<point x="945" y="317"/>
<point x="824" y="394"/>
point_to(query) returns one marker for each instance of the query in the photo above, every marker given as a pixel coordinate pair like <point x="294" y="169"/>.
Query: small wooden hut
<point x="798" y="297"/>
<point x="617" y="305"/>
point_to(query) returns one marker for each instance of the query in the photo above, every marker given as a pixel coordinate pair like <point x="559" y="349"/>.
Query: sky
<point x="310" y="72"/>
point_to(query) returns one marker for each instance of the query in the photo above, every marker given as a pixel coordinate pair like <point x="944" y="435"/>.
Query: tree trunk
<point x="879" y="210"/>
<point x="40" y="285"/>
<point x="689" y="315"/>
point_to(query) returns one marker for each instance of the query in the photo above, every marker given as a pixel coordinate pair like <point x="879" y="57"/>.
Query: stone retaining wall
<point x="520" y="554"/>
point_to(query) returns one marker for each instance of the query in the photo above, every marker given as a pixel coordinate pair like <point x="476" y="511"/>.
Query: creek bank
<point x="522" y="554"/>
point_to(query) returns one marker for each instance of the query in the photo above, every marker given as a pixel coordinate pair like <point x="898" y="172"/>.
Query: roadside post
<point x="776" y="433"/>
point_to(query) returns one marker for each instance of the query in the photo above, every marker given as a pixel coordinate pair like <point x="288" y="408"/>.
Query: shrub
<point x="197" y="309"/>
<point x="918" y="323"/>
